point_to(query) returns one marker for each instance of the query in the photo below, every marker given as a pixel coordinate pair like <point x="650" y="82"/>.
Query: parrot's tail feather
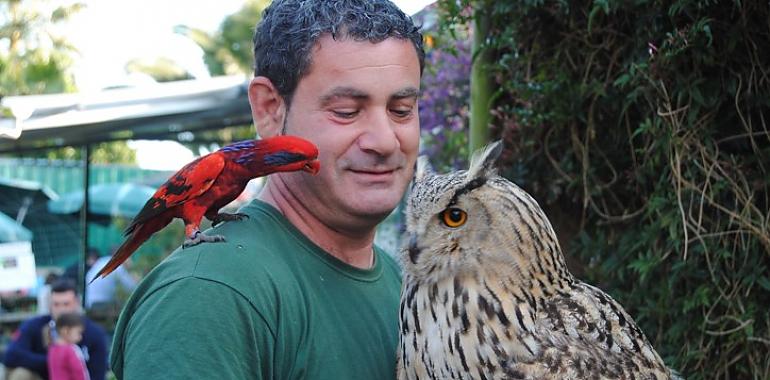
<point x="139" y="234"/>
<point x="124" y="251"/>
<point x="133" y="226"/>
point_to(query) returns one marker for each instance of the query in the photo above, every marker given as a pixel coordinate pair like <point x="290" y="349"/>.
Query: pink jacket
<point x="65" y="362"/>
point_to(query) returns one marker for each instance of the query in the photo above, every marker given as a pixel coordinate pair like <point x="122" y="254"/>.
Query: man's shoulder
<point x="257" y="243"/>
<point x="256" y="253"/>
<point x="92" y="329"/>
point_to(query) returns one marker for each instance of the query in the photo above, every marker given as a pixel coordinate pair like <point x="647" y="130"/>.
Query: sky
<point x="109" y="33"/>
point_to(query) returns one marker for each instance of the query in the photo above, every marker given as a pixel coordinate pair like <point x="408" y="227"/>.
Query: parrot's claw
<point x="201" y="238"/>
<point x="225" y="217"/>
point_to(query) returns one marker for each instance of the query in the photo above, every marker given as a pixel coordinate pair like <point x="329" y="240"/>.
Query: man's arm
<point x="20" y="354"/>
<point x="194" y="328"/>
<point x="96" y="343"/>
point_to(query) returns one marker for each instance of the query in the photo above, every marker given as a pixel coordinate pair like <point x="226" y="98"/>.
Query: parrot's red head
<point x="290" y="153"/>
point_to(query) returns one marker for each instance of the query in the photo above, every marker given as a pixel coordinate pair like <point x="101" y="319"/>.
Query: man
<point x="298" y="290"/>
<point x="26" y="355"/>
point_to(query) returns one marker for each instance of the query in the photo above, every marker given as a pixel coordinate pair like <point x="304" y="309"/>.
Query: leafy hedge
<point x="642" y="128"/>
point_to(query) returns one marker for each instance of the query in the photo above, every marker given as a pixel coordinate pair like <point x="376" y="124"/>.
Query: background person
<point x="25" y="357"/>
<point x="65" y="359"/>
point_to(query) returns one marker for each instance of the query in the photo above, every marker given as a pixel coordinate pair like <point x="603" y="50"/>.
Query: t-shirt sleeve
<point x="195" y="328"/>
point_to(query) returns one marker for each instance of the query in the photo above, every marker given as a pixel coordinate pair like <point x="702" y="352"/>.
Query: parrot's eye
<point x="453" y="217"/>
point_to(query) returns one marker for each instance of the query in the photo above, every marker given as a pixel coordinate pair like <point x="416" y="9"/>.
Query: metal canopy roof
<point x="149" y="112"/>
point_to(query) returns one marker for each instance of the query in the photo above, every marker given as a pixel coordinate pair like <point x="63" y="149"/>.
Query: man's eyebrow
<point x="409" y="92"/>
<point x="356" y="94"/>
<point x="343" y="92"/>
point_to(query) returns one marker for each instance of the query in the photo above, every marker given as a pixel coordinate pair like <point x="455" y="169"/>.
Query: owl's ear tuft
<point x="423" y="168"/>
<point x="483" y="161"/>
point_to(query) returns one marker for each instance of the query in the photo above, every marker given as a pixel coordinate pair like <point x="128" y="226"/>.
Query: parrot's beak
<point x="312" y="167"/>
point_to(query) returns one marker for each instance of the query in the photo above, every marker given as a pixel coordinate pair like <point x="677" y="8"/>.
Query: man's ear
<point x="267" y="107"/>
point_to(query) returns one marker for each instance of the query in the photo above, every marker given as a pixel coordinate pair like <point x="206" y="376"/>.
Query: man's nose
<point x="380" y="135"/>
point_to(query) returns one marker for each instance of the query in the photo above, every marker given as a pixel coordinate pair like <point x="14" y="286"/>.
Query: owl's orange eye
<point x="453" y="217"/>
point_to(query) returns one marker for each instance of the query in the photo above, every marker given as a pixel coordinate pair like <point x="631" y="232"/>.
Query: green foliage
<point x="33" y="59"/>
<point x="112" y="152"/>
<point x="237" y="32"/>
<point x="643" y="126"/>
<point x="228" y="50"/>
<point x="207" y="141"/>
<point x="161" y="69"/>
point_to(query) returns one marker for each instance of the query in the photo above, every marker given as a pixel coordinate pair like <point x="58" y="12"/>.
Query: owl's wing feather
<point x="589" y="319"/>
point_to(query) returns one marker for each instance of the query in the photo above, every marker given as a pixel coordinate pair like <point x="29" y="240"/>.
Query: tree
<point x="481" y="78"/>
<point x="113" y="152"/>
<point x="33" y="58"/>
<point x="161" y="69"/>
<point x="229" y="50"/>
<point x="641" y="127"/>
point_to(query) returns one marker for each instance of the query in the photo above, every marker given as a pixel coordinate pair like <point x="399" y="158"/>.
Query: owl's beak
<point x="414" y="251"/>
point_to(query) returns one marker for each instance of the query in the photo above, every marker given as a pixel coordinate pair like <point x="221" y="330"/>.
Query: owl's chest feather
<point x="449" y="330"/>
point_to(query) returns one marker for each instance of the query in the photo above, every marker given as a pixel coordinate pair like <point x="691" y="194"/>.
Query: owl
<point x="487" y="294"/>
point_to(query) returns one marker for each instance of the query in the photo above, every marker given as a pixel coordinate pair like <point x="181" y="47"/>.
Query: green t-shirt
<point x="265" y="304"/>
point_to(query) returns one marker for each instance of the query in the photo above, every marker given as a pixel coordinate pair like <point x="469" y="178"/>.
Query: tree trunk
<point x="481" y="82"/>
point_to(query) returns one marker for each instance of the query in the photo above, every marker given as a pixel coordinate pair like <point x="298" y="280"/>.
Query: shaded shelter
<point x="105" y="201"/>
<point x="17" y="196"/>
<point x="11" y="231"/>
<point x="26" y="203"/>
<point x="159" y="111"/>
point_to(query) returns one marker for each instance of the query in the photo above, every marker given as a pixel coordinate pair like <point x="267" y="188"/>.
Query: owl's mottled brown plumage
<point x="487" y="294"/>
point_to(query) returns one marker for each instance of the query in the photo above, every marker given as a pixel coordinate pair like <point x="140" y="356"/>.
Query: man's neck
<point x="353" y="246"/>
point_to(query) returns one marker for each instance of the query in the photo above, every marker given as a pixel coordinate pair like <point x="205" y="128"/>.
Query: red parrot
<point x="209" y="183"/>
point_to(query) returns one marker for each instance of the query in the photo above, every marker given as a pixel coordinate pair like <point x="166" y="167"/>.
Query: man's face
<point x="358" y="104"/>
<point x="64" y="302"/>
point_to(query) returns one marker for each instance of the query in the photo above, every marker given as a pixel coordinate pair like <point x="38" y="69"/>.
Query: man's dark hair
<point x="284" y="38"/>
<point x="68" y="320"/>
<point x="63" y="285"/>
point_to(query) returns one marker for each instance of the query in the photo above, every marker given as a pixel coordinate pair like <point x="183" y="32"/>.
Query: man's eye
<point x="345" y="114"/>
<point x="401" y="113"/>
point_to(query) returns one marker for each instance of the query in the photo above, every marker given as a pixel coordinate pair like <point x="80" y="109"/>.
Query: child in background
<point x="65" y="360"/>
